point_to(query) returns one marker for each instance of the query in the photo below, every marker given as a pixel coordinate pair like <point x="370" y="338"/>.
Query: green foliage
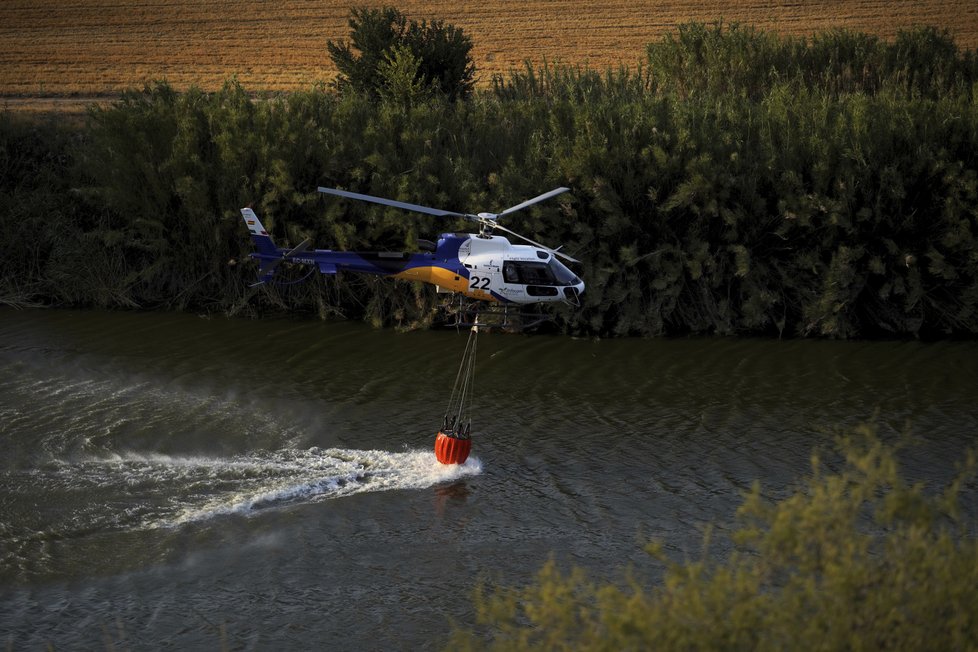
<point x="37" y="208"/>
<point x="436" y="56"/>
<point x="853" y="559"/>
<point x="740" y="183"/>
<point x="741" y="60"/>
<point x="373" y="33"/>
<point x="399" y="77"/>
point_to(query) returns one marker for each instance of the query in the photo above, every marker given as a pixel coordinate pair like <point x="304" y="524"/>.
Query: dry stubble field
<point x="91" y="48"/>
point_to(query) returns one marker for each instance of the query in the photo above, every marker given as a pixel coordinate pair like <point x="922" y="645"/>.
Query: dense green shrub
<point x="743" y="61"/>
<point x="854" y="559"/>
<point x="736" y="183"/>
<point x="41" y="215"/>
<point x="385" y="47"/>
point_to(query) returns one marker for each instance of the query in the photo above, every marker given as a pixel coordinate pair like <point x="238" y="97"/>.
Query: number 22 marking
<point x="476" y="280"/>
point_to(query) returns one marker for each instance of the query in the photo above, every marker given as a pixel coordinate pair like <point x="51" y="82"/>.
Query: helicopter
<point x="479" y="266"/>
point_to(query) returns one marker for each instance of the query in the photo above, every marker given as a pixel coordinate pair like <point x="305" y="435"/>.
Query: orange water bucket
<point x="450" y="449"/>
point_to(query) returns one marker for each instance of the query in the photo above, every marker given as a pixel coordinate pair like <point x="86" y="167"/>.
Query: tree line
<point x="736" y="182"/>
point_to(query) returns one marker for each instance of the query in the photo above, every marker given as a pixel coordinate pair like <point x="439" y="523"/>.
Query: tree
<point x="443" y="53"/>
<point x="399" y="78"/>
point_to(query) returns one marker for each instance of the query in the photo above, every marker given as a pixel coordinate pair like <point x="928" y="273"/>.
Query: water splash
<point x="145" y="491"/>
<point x="333" y="473"/>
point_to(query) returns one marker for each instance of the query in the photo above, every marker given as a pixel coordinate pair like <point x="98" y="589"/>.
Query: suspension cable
<point x="458" y="404"/>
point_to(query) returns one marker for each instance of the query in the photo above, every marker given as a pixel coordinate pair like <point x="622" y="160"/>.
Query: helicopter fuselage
<point x="481" y="266"/>
<point x="486" y="268"/>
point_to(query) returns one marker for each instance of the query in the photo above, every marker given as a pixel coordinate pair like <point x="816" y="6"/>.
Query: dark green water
<point x="172" y="481"/>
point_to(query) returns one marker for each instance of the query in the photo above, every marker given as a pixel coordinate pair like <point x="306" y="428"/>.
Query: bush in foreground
<point x="858" y="559"/>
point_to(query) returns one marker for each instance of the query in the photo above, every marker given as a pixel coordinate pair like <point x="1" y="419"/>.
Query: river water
<point x="173" y="481"/>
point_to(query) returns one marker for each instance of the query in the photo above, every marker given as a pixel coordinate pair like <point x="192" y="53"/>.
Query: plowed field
<point x="95" y="47"/>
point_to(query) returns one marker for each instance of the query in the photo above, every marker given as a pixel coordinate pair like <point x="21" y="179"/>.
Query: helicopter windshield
<point x="563" y="275"/>
<point x="534" y="273"/>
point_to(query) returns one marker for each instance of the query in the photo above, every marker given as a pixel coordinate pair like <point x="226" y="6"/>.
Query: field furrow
<point x="55" y="48"/>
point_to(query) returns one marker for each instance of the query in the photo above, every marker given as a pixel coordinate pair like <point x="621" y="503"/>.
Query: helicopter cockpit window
<point x="528" y="273"/>
<point x="563" y="275"/>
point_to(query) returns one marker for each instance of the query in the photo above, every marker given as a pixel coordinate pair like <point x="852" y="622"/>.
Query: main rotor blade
<point x="390" y="202"/>
<point x="542" y="246"/>
<point x="530" y="202"/>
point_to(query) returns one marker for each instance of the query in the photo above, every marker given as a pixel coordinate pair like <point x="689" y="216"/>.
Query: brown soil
<point x="80" y="50"/>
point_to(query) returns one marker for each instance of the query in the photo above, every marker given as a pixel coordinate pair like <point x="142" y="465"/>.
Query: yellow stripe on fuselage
<point x="436" y="276"/>
<point x="444" y="278"/>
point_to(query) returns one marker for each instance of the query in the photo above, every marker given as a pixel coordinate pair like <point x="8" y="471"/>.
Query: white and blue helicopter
<point x="479" y="266"/>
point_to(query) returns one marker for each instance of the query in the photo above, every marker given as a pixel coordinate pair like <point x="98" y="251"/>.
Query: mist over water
<point x="173" y="480"/>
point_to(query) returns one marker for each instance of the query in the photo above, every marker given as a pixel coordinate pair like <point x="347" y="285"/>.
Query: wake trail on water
<point x="71" y="430"/>
<point x="333" y="473"/>
<point x="147" y="491"/>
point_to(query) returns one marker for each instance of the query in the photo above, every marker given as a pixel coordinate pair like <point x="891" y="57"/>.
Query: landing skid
<point x="462" y="312"/>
